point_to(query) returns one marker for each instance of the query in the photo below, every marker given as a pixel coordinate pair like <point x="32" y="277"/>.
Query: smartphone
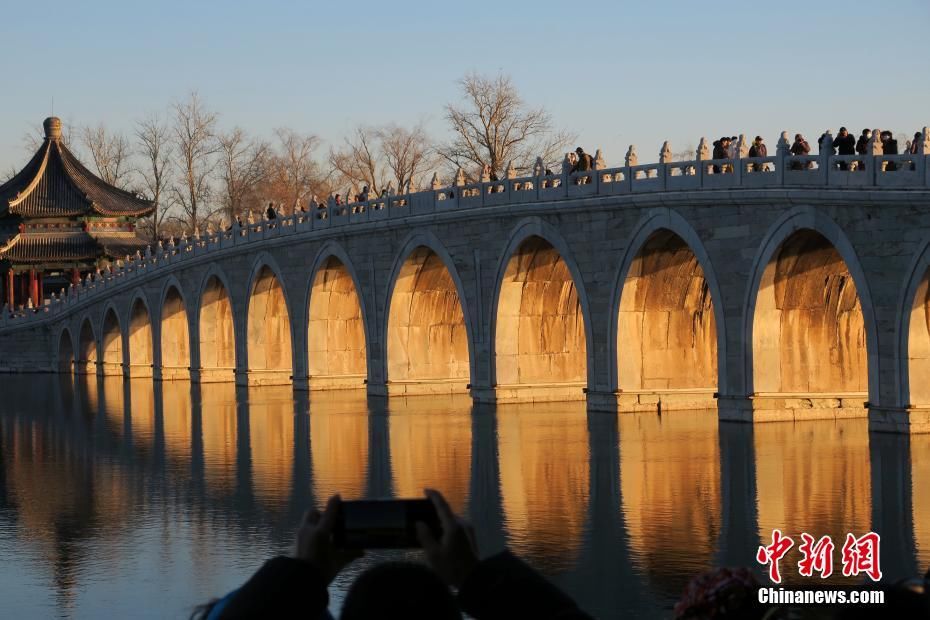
<point x="383" y="523"/>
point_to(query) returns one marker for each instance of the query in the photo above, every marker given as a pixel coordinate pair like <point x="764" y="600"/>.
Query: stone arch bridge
<point x="773" y="288"/>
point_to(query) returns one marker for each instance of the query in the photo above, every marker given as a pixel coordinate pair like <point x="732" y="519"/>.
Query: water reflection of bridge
<point x="592" y="500"/>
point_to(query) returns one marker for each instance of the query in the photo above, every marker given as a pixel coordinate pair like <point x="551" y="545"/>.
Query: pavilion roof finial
<point x="52" y="127"/>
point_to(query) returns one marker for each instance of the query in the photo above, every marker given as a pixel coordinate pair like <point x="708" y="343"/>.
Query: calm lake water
<point x="140" y="500"/>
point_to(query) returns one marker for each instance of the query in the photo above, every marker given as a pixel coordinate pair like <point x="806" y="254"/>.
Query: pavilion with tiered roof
<point x="58" y="221"/>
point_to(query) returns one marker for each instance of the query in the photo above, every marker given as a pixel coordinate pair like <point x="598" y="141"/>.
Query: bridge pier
<point x="904" y="420"/>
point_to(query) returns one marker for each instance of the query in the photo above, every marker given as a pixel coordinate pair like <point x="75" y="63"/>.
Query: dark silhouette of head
<point x="399" y="591"/>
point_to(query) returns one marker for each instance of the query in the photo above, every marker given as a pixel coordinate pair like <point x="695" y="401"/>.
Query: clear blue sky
<point x="615" y="72"/>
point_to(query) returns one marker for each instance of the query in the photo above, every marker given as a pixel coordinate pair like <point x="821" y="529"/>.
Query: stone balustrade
<point x="882" y="172"/>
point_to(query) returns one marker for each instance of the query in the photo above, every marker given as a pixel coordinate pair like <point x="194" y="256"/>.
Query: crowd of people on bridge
<point x="724" y="148"/>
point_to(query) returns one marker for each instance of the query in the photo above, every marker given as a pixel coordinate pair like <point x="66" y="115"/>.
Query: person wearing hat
<point x="758" y="149"/>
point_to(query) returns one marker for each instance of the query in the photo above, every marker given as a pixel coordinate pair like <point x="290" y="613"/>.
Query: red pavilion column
<point x="75" y="276"/>
<point x="33" y="288"/>
<point x="10" y="290"/>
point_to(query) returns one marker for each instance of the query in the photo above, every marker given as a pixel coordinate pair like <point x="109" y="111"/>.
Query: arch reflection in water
<point x="670" y="493"/>
<point x="339" y="433"/>
<point x="431" y="447"/>
<point x="815" y="478"/>
<point x="271" y="437"/>
<point x="176" y="419"/>
<point x="142" y="413"/>
<point x="219" y="432"/>
<point x="544" y="475"/>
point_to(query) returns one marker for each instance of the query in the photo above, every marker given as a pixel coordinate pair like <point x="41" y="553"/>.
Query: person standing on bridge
<point x="862" y="144"/>
<point x="799" y="148"/>
<point x="584" y="164"/>
<point x="889" y="147"/>
<point x="758" y="149"/>
<point x="845" y="145"/>
<point x="270" y="213"/>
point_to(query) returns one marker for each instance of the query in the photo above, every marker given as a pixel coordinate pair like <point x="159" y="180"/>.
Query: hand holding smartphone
<point x="383" y="523"/>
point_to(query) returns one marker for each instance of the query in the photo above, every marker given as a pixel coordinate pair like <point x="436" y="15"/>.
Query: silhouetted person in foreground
<point x="499" y="587"/>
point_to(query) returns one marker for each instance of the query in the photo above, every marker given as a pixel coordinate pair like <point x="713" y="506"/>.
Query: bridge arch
<point x="141" y="347"/>
<point x="65" y="353"/>
<point x="174" y="332"/>
<point x="111" y="343"/>
<point x="667" y="320"/>
<point x="808" y="288"/>
<point x="337" y="322"/>
<point x="912" y="355"/>
<point x="541" y="321"/>
<point x="428" y="344"/>
<point x="269" y="334"/>
<point x="216" y="328"/>
<point x="86" y="363"/>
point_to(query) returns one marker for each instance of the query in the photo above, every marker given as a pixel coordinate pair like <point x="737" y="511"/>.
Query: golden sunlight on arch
<point x="336" y="348"/>
<point x="140" y="341"/>
<point x="86" y="363"/>
<point x="540" y="335"/>
<point x="111" y="344"/>
<point x="808" y="333"/>
<point x="269" y="332"/>
<point x="175" y="337"/>
<point x="427" y="343"/>
<point x="217" y="334"/>
<point x="666" y="330"/>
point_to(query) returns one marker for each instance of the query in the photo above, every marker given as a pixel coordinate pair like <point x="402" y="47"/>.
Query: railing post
<point x="825" y="152"/>
<point x="782" y="150"/>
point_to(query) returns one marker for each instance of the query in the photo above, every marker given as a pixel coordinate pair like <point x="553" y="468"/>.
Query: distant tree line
<point x="200" y="173"/>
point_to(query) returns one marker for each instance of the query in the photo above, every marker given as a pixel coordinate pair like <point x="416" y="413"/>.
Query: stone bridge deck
<point x="786" y="288"/>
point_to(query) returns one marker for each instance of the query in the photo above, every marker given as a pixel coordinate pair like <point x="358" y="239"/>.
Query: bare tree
<point x="493" y="127"/>
<point x="244" y="164"/>
<point x="378" y="156"/>
<point x="408" y="153"/>
<point x="154" y="148"/>
<point x="359" y="161"/>
<point x="194" y="152"/>
<point x="110" y="152"/>
<point x="294" y="174"/>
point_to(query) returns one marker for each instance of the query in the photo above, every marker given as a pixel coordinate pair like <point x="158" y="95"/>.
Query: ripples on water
<point x="127" y="499"/>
